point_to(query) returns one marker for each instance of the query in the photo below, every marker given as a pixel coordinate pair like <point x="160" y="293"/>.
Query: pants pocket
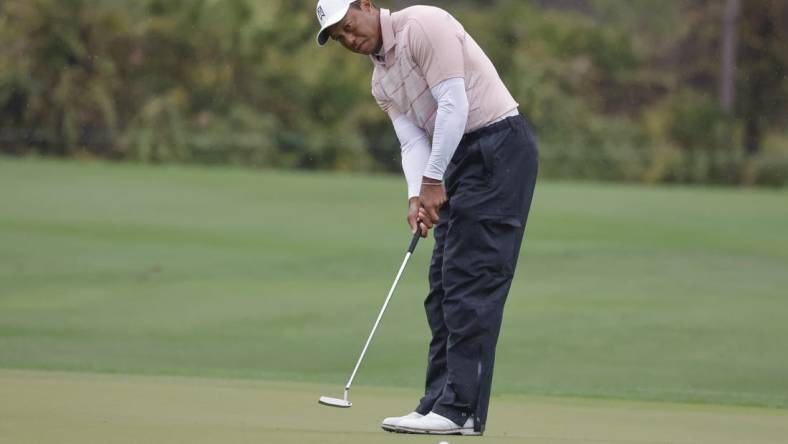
<point x="505" y="234"/>
<point x="489" y="151"/>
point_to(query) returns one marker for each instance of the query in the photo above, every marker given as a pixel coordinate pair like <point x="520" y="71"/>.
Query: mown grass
<point x="86" y="408"/>
<point x="622" y="291"/>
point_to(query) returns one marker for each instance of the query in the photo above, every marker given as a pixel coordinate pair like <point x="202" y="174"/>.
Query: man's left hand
<point x="432" y="197"/>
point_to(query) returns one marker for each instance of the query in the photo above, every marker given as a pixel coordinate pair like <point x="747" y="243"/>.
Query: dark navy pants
<point x="490" y="183"/>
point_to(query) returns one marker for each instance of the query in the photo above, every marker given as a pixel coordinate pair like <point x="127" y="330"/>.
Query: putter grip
<point x="415" y="240"/>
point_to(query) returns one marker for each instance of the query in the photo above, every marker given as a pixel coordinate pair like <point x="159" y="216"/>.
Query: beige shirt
<point x="422" y="46"/>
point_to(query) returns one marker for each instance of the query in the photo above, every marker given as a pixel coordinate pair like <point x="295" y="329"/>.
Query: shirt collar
<point x="387" y="33"/>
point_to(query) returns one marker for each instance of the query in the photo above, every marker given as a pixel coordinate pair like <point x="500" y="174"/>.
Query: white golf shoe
<point x="435" y="424"/>
<point x="391" y="423"/>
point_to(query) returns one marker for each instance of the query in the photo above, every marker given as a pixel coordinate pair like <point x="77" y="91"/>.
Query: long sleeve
<point x="450" y="124"/>
<point x="415" y="146"/>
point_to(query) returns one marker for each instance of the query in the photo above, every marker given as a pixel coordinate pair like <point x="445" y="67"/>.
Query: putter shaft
<point x="411" y="248"/>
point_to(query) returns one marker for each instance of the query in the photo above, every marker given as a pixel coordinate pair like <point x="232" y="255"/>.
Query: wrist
<point x="432" y="183"/>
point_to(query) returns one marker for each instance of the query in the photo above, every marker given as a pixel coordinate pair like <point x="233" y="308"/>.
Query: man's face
<point x="359" y="31"/>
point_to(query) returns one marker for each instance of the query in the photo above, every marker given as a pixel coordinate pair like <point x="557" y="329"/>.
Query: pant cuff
<point x="422" y="410"/>
<point x="456" y="416"/>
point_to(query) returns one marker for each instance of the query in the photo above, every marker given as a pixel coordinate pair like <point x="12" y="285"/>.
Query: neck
<point x="380" y="31"/>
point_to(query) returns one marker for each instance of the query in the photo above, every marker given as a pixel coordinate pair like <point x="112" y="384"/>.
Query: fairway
<point x="84" y="409"/>
<point x="230" y="292"/>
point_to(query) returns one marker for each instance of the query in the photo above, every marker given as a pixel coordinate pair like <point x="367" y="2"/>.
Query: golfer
<point x="470" y="162"/>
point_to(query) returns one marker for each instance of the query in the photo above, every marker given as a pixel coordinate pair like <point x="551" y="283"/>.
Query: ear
<point x="366" y="5"/>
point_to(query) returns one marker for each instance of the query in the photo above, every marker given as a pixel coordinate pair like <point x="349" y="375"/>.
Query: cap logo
<point x="321" y="15"/>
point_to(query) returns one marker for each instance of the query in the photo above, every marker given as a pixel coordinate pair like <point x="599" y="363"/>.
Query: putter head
<point x="334" y="402"/>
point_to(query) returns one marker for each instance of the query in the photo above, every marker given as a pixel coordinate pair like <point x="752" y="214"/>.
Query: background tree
<point x="617" y="90"/>
<point x="730" y="37"/>
<point x="763" y="69"/>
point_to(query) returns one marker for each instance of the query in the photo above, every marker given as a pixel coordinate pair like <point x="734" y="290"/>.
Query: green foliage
<point x="703" y="134"/>
<point x="763" y="81"/>
<point x="615" y="90"/>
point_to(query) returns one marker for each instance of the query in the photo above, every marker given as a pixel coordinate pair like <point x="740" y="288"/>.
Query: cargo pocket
<point x="504" y="233"/>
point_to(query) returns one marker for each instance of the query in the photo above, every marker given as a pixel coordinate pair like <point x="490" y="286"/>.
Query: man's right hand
<point x="414" y="205"/>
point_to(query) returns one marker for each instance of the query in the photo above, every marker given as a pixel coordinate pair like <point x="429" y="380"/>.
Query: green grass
<point x="68" y="408"/>
<point x="632" y="292"/>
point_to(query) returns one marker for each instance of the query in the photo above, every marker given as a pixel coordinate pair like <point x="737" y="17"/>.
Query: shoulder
<point x="425" y="16"/>
<point x="419" y="12"/>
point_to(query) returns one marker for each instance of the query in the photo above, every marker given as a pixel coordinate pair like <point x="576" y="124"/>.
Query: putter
<point x="344" y="403"/>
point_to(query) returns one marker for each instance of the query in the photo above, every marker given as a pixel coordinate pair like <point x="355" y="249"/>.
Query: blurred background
<point x="681" y="91"/>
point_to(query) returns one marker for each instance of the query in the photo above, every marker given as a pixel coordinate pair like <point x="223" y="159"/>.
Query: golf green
<point x="84" y="408"/>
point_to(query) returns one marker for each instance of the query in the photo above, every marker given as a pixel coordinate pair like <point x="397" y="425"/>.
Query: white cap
<point x="330" y="12"/>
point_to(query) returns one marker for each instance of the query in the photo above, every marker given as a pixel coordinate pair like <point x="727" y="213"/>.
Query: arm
<point x="450" y="124"/>
<point x="415" y="147"/>
<point x="439" y="54"/>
